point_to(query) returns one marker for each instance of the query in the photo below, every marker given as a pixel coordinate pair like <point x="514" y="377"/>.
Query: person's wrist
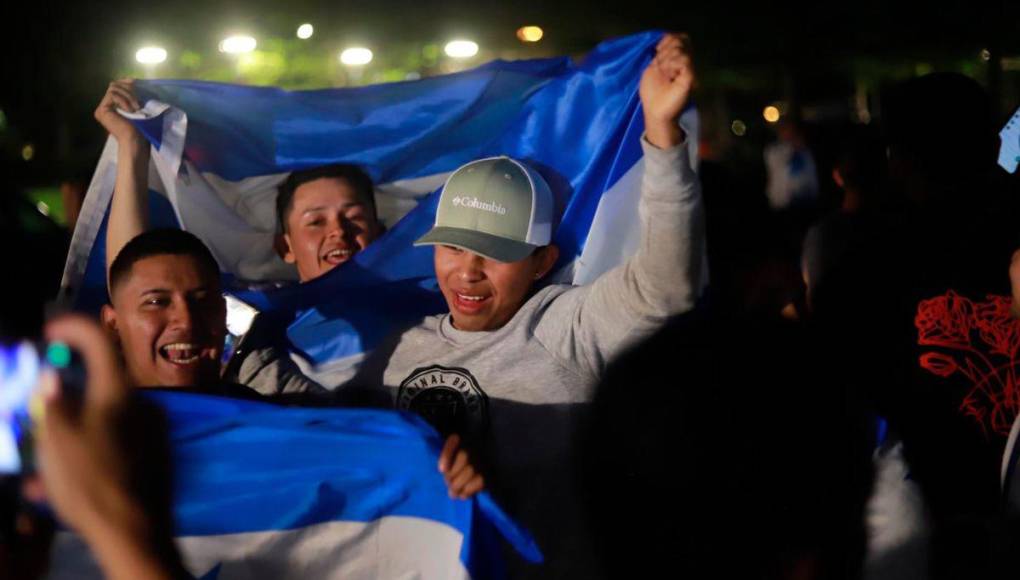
<point x="124" y="556"/>
<point x="133" y="143"/>
<point x="123" y="542"/>
<point x="663" y="133"/>
<point x="113" y="514"/>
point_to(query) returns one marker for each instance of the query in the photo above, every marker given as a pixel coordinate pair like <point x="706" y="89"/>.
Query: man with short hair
<point x="166" y="311"/>
<point x="513" y="367"/>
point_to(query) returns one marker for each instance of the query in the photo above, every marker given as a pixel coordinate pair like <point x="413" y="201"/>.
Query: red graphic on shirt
<point x="981" y="340"/>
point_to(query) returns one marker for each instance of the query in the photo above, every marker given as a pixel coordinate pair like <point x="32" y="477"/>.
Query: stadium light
<point x="356" y="56"/>
<point x="305" y="31"/>
<point x="461" y="49"/>
<point x="150" y="55"/>
<point x="239" y="44"/>
<point x="530" y="33"/>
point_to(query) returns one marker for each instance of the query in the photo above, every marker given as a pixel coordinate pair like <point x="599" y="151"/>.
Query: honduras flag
<point x="219" y="151"/>
<point x="270" y="492"/>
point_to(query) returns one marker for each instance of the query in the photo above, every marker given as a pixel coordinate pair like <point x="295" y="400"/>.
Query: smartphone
<point x="20" y="367"/>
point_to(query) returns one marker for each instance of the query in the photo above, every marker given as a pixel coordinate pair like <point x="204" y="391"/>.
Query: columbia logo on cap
<point x="473" y="203"/>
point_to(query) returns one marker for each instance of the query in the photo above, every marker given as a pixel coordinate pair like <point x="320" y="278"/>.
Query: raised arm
<point x="663" y="278"/>
<point x="129" y="211"/>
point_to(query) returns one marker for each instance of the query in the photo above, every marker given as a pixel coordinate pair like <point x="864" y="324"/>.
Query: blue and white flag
<point x="273" y="492"/>
<point x="219" y="151"/>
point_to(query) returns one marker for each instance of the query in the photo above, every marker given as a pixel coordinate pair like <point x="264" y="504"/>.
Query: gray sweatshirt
<point x="521" y="390"/>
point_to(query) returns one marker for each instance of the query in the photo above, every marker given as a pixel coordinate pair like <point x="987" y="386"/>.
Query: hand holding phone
<point x="102" y="459"/>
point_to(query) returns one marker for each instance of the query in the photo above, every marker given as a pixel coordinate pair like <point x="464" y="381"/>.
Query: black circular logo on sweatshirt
<point x="448" y="398"/>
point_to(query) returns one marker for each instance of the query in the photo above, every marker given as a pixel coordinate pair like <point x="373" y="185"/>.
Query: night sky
<point x="58" y="57"/>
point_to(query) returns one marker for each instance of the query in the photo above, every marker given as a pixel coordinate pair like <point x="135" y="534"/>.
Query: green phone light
<point x="58" y="354"/>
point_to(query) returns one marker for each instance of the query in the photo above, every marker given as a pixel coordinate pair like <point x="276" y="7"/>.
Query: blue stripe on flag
<point x="395" y="130"/>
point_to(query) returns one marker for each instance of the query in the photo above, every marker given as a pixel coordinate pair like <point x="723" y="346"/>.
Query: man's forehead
<point x="175" y="272"/>
<point x="324" y="192"/>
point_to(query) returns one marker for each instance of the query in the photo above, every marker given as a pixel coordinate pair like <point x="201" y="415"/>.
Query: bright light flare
<point x="356" y="56"/>
<point x="461" y="49"/>
<point x="305" y="31"/>
<point x="239" y="44"/>
<point x="151" y="55"/>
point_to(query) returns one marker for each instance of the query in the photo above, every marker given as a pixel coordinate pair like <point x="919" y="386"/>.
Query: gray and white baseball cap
<point x="498" y="208"/>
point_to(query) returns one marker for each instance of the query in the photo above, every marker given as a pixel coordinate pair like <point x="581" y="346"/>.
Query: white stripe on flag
<point x="236" y="219"/>
<point x="392" y="547"/>
<point x="90" y="219"/>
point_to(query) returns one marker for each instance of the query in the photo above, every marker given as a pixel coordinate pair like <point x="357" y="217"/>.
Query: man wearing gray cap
<point x="511" y="368"/>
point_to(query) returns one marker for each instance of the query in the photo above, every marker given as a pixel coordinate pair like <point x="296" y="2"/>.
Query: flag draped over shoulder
<point x="270" y="492"/>
<point x="219" y="151"/>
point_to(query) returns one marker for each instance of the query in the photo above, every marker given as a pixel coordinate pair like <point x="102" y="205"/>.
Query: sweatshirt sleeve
<point x="588" y="325"/>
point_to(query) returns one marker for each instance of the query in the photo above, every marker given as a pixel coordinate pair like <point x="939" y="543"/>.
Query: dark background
<point x="58" y="56"/>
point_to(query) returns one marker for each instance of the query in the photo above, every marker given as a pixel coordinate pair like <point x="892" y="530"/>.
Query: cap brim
<point x="487" y="245"/>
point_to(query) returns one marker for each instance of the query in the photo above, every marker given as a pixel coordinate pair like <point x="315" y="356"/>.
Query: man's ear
<point x="281" y="243"/>
<point x="109" y="318"/>
<point x="547" y="256"/>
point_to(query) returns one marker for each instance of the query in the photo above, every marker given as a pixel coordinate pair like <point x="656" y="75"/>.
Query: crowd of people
<point x="837" y="407"/>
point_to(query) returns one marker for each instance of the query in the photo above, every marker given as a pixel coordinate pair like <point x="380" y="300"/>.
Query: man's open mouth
<point x="181" y="353"/>
<point x="470" y="303"/>
<point x="337" y="256"/>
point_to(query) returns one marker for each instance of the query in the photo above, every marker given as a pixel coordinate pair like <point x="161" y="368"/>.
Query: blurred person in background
<point x="791" y="169"/>
<point x="752" y="462"/>
<point x="919" y="308"/>
<point x="860" y="174"/>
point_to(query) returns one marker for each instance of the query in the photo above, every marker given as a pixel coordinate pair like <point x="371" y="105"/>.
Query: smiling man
<point x="166" y="311"/>
<point x="513" y="366"/>
<point x="326" y="215"/>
